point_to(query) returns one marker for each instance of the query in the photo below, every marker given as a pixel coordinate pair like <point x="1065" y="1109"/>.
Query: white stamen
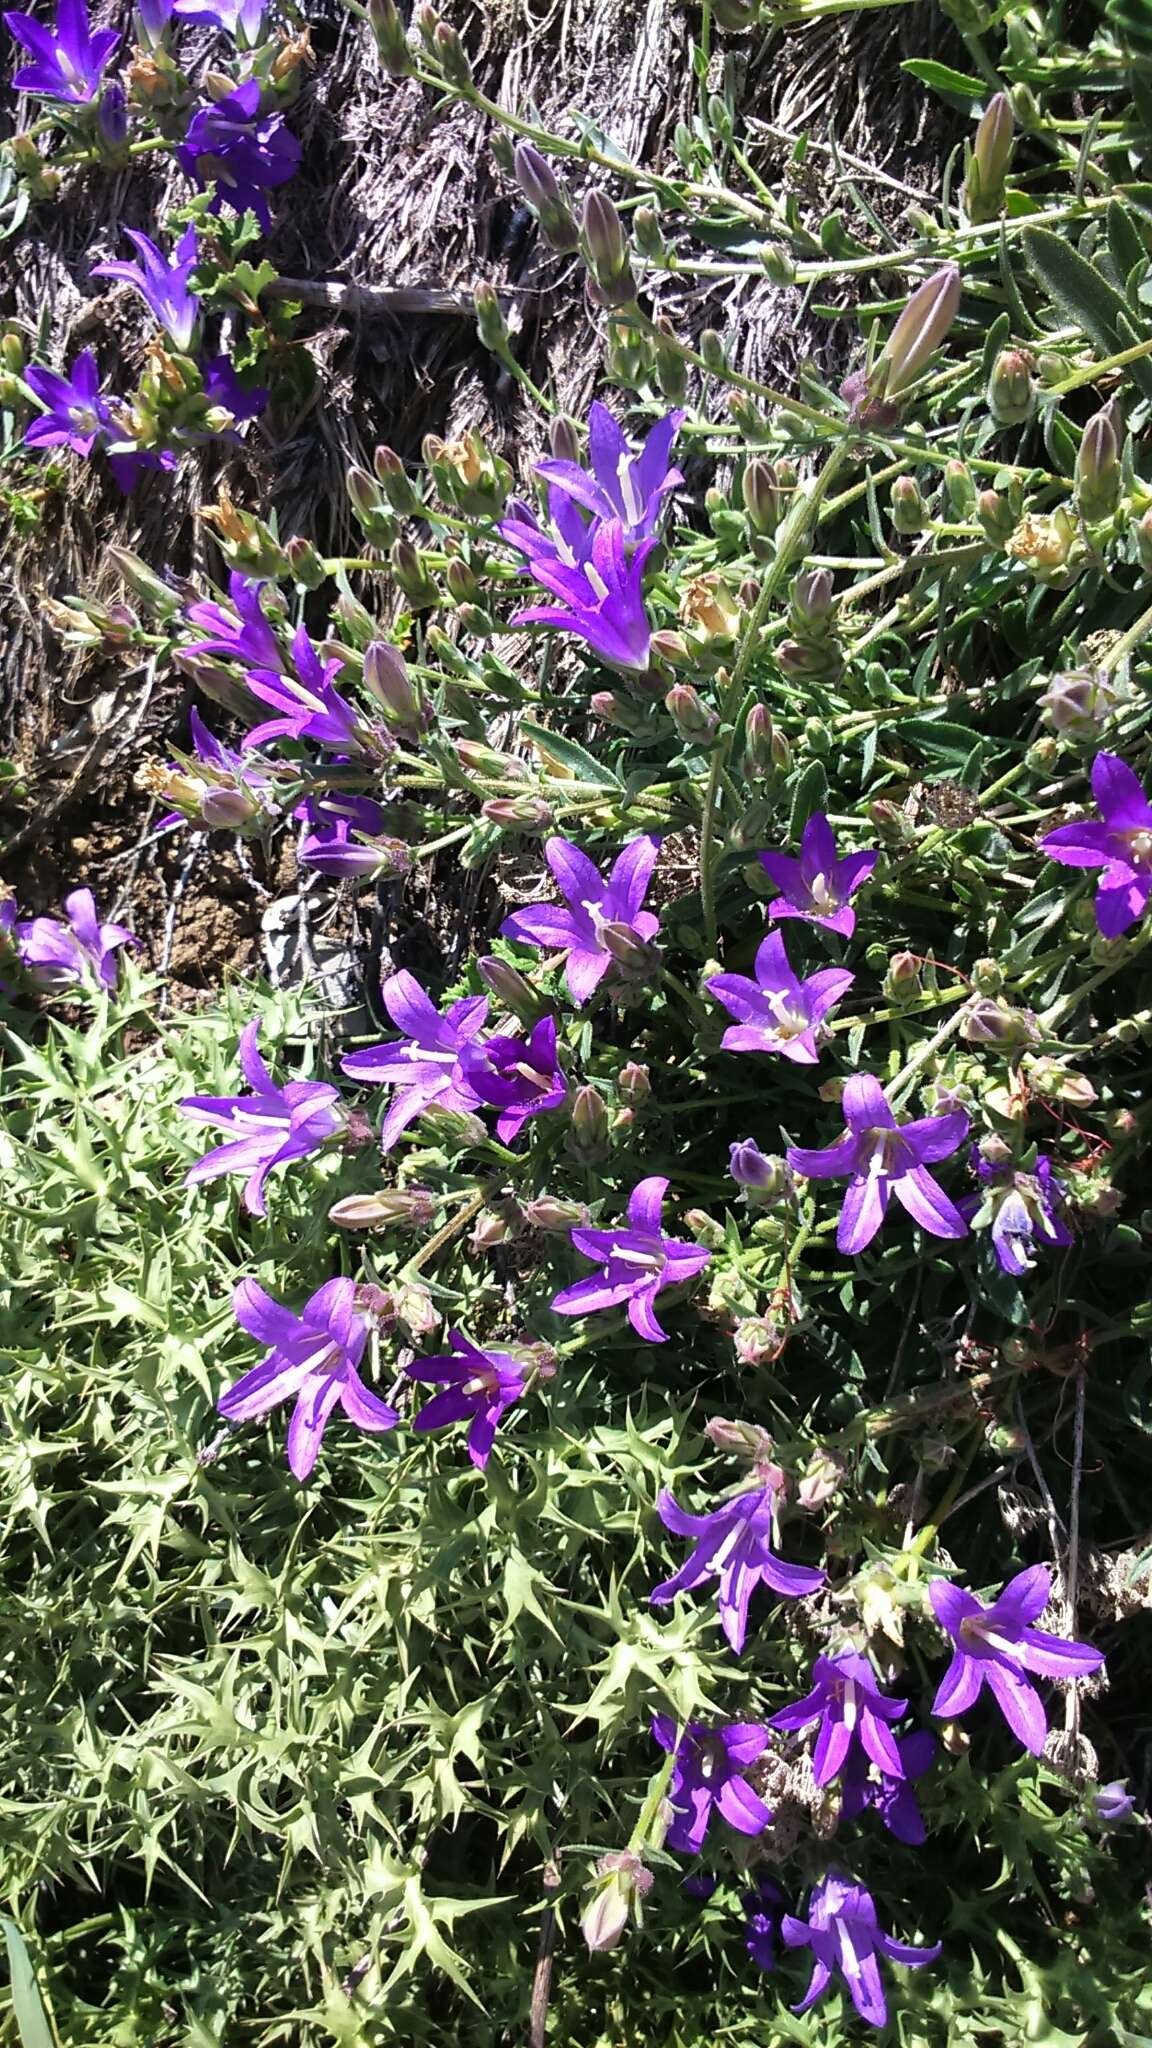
<point x="596" y="580"/>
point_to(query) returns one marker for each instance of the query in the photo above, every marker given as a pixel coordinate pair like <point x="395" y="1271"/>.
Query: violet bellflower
<point x="520" y="1077"/>
<point x="853" y="1716"/>
<point x="1120" y="844"/>
<point x="154" y="17"/>
<point x="315" y="1357"/>
<point x="778" y="1012"/>
<point x="709" y="1778"/>
<point x="565" y="542"/>
<point x="818" y="885"/>
<point x="598" y="913"/>
<point x="763" y="1914"/>
<point x="162" y="284"/>
<point x="58" y="954"/>
<point x="863" y="1786"/>
<point x="223" y="389"/>
<point x="637" y="1264"/>
<point x="342" y="830"/>
<point x="309" y="707"/>
<point x="68" y="62"/>
<point x="267" y="1128"/>
<point x="238" y="631"/>
<point x="735" y="1543"/>
<point x="478" y="1388"/>
<point x="618" y="483"/>
<point x="243" y="153"/>
<point x="77" y="415"/>
<point x="882" y="1159"/>
<point x="844" y="1934"/>
<point x="423" y="1067"/>
<point x="1024" y="1210"/>
<point x="240" y="18"/>
<point x="998" y="1647"/>
<point x="600" y="600"/>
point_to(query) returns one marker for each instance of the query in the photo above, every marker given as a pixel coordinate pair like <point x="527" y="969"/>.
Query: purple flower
<point x="112" y="115"/>
<point x="155" y="16"/>
<point x="599" y="913"/>
<point x="77" y="416"/>
<point x="778" y="1012"/>
<point x="67" y="64"/>
<point x="818" y="885"/>
<point x="519" y="1076"/>
<point x="242" y="18"/>
<point x="58" y="955"/>
<point x="128" y="463"/>
<point x="219" y="789"/>
<point x="313" y="1356"/>
<point x="1112" y="1804"/>
<point x="763" y="1914"/>
<point x="884" y="1159"/>
<point x="893" y="1798"/>
<point x="734" y="1544"/>
<point x="265" y="1129"/>
<point x="222" y="387"/>
<point x="709" y="1776"/>
<point x="853" y="1715"/>
<point x="1121" y="844"/>
<point x="424" y="1066"/>
<point x="309" y="707"/>
<point x="997" y="1646"/>
<point x="163" y="285"/>
<point x="478" y="1387"/>
<point x="638" y="1263"/>
<point x="240" y="632"/>
<point x="617" y="484"/>
<point x="339" y="843"/>
<point x="1021" y="1207"/>
<point x="240" y="151"/>
<point x="566" y="541"/>
<point x="844" y="1935"/>
<point x="600" y="600"/>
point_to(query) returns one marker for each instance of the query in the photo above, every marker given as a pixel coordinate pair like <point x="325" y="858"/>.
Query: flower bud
<point x="758" y="732"/>
<point x="158" y="596"/>
<point x="778" y="262"/>
<point x="902" y="982"/>
<point x="763" y="1172"/>
<point x="907" y="505"/>
<point x="1080" y="701"/>
<point x="451" y="55"/>
<point x="305" y="562"/>
<point x="763" y="501"/>
<point x="606" y="250"/>
<point x="711" y="348"/>
<point x="959" y="489"/>
<point x="396" y="1208"/>
<point x="672" y="647"/>
<point x="991" y="1021"/>
<point x="692" y="717"/>
<point x="759" y="1340"/>
<point x="564" y="438"/>
<point x="820" y="1480"/>
<point x="112" y="119"/>
<point x="890" y="822"/>
<point x="495" y="1226"/>
<point x="390" y="38"/>
<point x="416" y="1309"/>
<point x="395" y="482"/>
<point x="527" y="814"/>
<point x="812" y="601"/>
<point x="635" y="959"/>
<point x="555" y="1217"/>
<point x="634" y="1085"/>
<point x="918" y="333"/>
<point x="746" y="1440"/>
<point x="491" y="325"/>
<point x="648" y="238"/>
<point x="1061" y="1084"/>
<point x="588" y="1127"/>
<point x="386" y="677"/>
<point x="453" y="1126"/>
<point x="1112" y="1804"/>
<point x="987" y="977"/>
<point x="996" y="518"/>
<point x="413" y="578"/>
<point x="988" y="161"/>
<point x="541" y="188"/>
<point x="616" y="709"/>
<point x="1011" y="388"/>
<point x="511" y="987"/>
<point x="623" y="1882"/>
<point x="1098" y="469"/>
<point x="668" y="364"/>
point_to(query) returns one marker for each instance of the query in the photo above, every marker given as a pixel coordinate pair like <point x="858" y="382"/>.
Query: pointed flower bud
<point x="491" y="325"/>
<point x="554" y="1217"/>
<point x="634" y="1085"/>
<point x="542" y="190"/>
<point x="907" y="505"/>
<point x="995" y="516"/>
<point x="1098" y="469"/>
<point x="511" y="988"/>
<point x="412" y="576"/>
<point x="988" y="161"/>
<point x="564" y="438"/>
<point x="390" y="38"/>
<point x="763" y="500"/>
<point x="529" y="814"/>
<point x="395" y="1208"/>
<point x="623" y="1881"/>
<point x="693" y="719"/>
<point x="451" y="55"/>
<point x="902" y="982"/>
<point x="758" y="732"/>
<point x="1011" y="388"/>
<point x="588" y="1127"/>
<point x="386" y="677"/>
<point x="606" y="250"/>
<point x="959" y="488"/>
<point x="919" y="332"/>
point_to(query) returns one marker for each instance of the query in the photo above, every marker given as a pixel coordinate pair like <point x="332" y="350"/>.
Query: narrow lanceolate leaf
<point x="1083" y="294"/>
<point x="27" y="2004"/>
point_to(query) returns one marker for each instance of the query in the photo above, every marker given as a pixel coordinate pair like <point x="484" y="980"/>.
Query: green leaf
<point x="571" y="755"/>
<point x="809" y="795"/>
<point x="1126" y="242"/>
<point x="27" y="2003"/>
<point x="953" y="85"/>
<point x="1082" y="294"/>
<point x="939" y="736"/>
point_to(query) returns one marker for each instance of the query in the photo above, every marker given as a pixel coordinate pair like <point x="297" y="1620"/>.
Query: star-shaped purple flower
<point x="1024" y="1209"/>
<point x="818" y="885"/>
<point x="778" y="1012"/>
<point x="600" y="600"/>
<point x="853" y="1715"/>
<point x="342" y="828"/>
<point x="268" y="1128"/>
<point x="309" y="707"/>
<point x="599" y="913"/>
<point x="243" y="153"/>
<point x="162" y="285"/>
<point x="1121" y="844"/>
<point x="314" y="1356"/>
<point x="240" y="18"/>
<point x="862" y="1786"/>
<point x="638" y="1264"/>
<point x="710" y="1778"/>
<point x="77" y="415"/>
<point x="734" y="1544"/>
<point x="521" y="1077"/>
<point x="885" y="1159"/>
<point x="424" y="1066"/>
<point x="68" y="63"/>
<point x="997" y="1647"/>
<point x="566" y="541"/>
<point x="618" y="483"/>
<point x="479" y="1386"/>
<point x="238" y="631"/>
<point x="57" y="955"/>
<point x="844" y="1934"/>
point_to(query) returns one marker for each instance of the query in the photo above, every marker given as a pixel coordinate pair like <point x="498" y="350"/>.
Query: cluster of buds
<point x="467" y="475"/>
<point x="604" y="247"/>
<point x="877" y="396"/>
<point x="812" y="652"/>
<point x="986" y="162"/>
<point x="547" y="198"/>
